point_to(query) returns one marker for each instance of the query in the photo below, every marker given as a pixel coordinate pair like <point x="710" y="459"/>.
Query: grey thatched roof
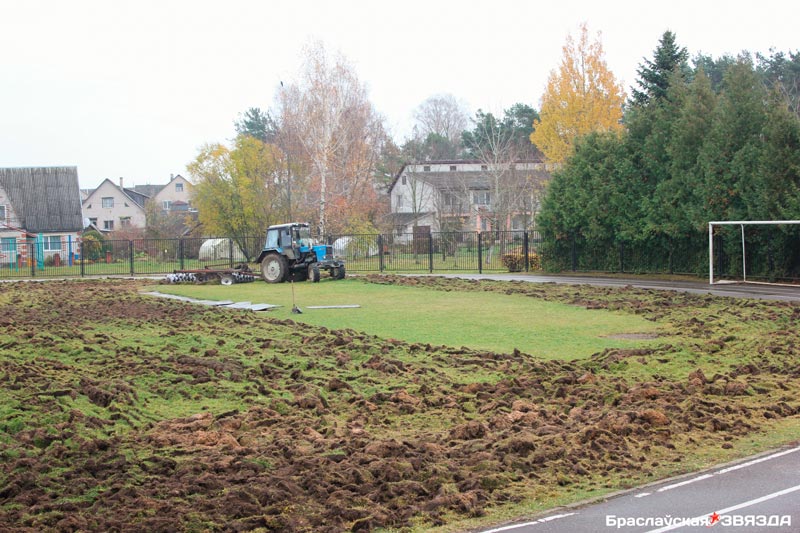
<point x="45" y="199"/>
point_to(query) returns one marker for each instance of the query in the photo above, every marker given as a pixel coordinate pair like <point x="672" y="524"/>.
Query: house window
<point x="452" y="168"/>
<point x="167" y="205"/>
<point x="426" y="168"/>
<point x="404" y="179"/>
<point x="8" y="245"/>
<point x="125" y="222"/>
<point x="481" y="197"/>
<point x="450" y="199"/>
<point x="108" y="225"/>
<point x="108" y="202"/>
<point x="52" y="243"/>
<point x="93" y="221"/>
<point x="179" y="187"/>
<point x="484" y="167"/>
<point x="399" y="201"/>
<point x="2" y="213"/>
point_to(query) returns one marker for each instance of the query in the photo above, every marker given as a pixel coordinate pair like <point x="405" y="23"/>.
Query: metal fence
<point x="431" y="252"/>
<point x="496" y="251"/>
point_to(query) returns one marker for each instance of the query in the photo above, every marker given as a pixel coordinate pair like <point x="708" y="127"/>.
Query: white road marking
<point x="540" y="521"/>
<point x="729" y="509"/>
<point x="687" y="482"/>
<point x="756" y="461"/>
<point x="642" y="495"/>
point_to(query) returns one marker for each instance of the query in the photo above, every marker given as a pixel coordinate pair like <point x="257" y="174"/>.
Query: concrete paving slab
<point x="239" y="305"/>
<point x="262" y="307"/>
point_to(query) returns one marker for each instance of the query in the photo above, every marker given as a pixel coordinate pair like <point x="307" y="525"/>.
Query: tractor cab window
<point x="272" y="239"/>
<point x="303" y="236"/>
<point x="286" y="238"/>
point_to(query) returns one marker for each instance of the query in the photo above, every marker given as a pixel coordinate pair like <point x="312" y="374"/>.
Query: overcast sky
<point x="134" y="88"/>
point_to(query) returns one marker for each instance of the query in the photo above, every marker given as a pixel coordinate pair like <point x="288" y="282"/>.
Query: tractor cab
<point x="291" y="240"/>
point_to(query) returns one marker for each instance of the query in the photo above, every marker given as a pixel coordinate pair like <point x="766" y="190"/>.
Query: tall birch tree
<point x="341" y="136"/>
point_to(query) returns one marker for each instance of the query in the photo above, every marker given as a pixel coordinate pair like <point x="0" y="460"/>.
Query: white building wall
<point x="10" y="216"/>
<point x="409" y="190"/>
<point x="177" y="190"/>
<point x="123" y="207"/>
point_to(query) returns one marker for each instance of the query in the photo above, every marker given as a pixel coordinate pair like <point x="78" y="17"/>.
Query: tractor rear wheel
<point x="274" y="268"/>
<point x="313" y="272"/>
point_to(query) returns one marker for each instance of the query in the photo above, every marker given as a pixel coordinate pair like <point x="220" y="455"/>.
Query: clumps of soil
<point x="289" y="428"/>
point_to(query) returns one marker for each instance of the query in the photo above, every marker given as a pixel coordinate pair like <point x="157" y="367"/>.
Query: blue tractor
<point x="290" y="254"/>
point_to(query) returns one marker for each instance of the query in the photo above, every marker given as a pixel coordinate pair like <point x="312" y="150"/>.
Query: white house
<point x="175" y="195"/>
<point x="467" y="195"/>
<point x="111" y="207"/>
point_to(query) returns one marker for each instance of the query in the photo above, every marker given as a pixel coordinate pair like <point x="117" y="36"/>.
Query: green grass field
<point x="486" y="321"/>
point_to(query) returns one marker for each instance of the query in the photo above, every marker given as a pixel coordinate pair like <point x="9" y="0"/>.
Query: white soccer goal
<point x="742" y="224"/>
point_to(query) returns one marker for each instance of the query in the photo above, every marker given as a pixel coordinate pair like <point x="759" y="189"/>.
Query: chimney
<point x="120" y="182"/>
<point x="171" y="176"/>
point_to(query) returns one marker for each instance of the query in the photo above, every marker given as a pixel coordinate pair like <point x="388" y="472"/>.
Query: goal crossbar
<point x="742" y="224"/>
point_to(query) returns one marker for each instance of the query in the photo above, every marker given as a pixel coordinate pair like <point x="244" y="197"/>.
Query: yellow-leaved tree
<point x="238" y="191"/>
<point x="581" y="96"/>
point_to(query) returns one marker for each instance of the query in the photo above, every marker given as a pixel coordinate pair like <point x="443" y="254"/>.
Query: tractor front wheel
<point x="313" y="272"/>
<point x="274" y="268"/>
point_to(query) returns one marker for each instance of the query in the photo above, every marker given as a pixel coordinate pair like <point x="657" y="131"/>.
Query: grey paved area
<point x="761" y="493"/>
<point x="735" y="290"/>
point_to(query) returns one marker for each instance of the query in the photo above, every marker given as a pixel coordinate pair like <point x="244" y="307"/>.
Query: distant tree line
<point x="695" y="141"/>
<point x="715" y="140"/>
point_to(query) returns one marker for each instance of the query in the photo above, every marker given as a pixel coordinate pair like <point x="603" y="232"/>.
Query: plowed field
<point x="120" y="412"/>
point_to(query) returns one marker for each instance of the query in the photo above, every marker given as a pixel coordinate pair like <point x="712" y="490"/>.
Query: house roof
<point x="404" y="219"/>
<point x="137" y="197"/>
<point x="133" y="195"/>
<point x="146" y="190"/>
<point x="456" y="180"/>
<point x="44" y="199"/>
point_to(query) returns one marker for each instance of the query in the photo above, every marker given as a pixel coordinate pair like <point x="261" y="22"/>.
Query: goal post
<point x="741" y="224"/>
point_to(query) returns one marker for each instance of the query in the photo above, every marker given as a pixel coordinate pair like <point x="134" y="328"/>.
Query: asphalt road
<point x="758" y="494"/>
<point x="736" y="290"/>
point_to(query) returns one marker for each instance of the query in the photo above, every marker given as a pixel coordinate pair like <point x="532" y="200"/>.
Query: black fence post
<point x="525" y="244"/>
<point x="181" y="252"/>
<point x="230" y="252"/>
<point x="480" y="253"/>
<point x="380" y="253"/>
<point x="430" y="252"/>
<point x="83" y="259"/>
<point x="622" y="257"/>
<point x="32" y="249"/>
<point x="130" y="254"/>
